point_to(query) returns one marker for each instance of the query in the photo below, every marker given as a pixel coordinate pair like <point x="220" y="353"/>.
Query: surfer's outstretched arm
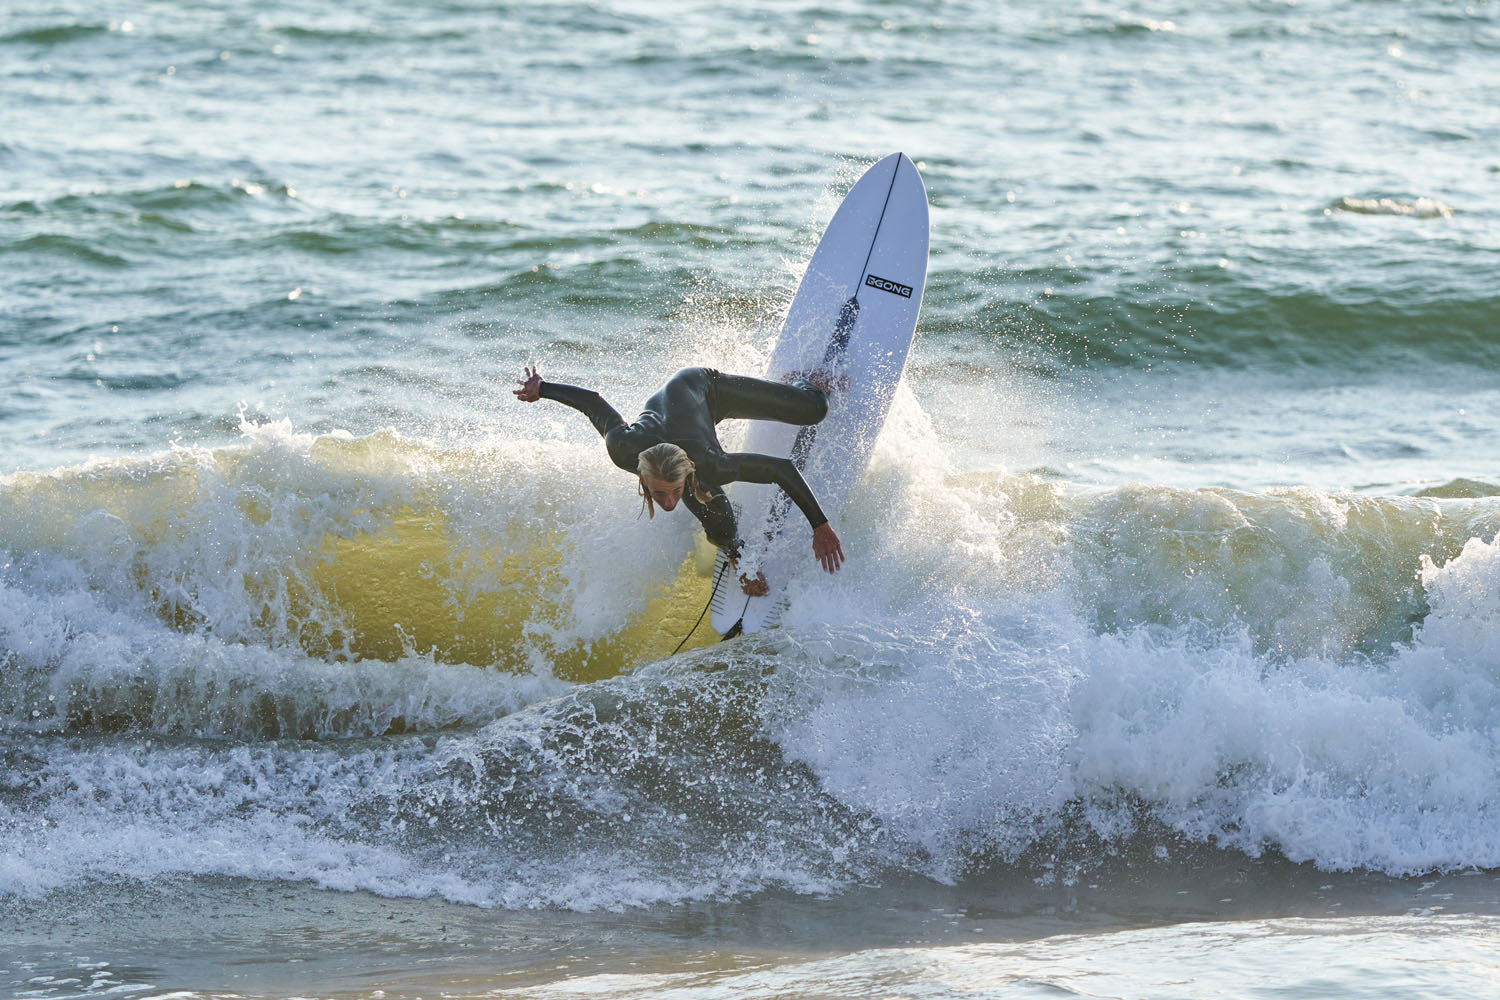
<point x="605" y="418"/>
<point x="753" y="468"/>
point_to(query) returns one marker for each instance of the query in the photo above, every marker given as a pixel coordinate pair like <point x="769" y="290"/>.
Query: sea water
<point x="1166" y="661"/>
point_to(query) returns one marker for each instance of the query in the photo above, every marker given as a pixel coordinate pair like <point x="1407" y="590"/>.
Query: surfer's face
<point x="664" y="494"/>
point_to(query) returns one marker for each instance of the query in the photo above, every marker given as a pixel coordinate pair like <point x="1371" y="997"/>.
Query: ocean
<point x="1166" y="659"/>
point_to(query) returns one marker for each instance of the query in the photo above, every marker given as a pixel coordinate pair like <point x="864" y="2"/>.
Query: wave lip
<point x="1462" y="488"/>
<point x="1416" y="208"/>
<point x="70" y="247"/>
<point x="55" y="34"/>
<point x="161" y="201"/>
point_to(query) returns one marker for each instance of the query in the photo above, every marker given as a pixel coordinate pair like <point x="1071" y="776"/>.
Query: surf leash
<point x="738" y="628"/>
<point x="711" y="594"/>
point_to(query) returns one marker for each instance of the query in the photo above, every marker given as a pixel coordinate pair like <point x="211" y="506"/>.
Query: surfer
<point x="675" y="453"/>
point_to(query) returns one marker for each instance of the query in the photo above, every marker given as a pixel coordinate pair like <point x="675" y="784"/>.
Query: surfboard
<point x="853" y="317"/>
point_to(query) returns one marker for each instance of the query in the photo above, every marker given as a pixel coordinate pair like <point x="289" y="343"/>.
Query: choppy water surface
<point x="1174" y="584"/>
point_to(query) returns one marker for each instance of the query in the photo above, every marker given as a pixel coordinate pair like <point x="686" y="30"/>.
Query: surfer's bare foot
<point x="756" y="587"/>
<point x="827" y="548"/>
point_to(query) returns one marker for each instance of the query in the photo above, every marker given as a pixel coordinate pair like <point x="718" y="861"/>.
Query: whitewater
<point x="1018" y="668"/>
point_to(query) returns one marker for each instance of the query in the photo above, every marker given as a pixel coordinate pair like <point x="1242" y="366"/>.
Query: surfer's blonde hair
<point x="667" y="463"/>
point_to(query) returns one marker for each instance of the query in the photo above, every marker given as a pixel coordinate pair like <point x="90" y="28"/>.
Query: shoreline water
<point x="214" y="936"/>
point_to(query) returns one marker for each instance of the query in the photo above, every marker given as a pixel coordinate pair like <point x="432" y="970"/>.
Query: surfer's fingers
<point x="530" y="384"/>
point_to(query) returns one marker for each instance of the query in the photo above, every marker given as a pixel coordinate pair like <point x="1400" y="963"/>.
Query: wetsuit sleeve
<point x="750" y="468"/>
<point x="717" y="517"/>
<point x="604" y="417"/>
<point x="623" y="449"/>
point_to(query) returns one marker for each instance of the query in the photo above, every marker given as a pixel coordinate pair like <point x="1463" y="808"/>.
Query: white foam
<point x="1410" y="956"/>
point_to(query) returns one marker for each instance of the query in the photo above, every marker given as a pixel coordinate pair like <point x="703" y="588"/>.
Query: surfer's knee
<point x="816" y="396"/>
<point x="819" y="401"/>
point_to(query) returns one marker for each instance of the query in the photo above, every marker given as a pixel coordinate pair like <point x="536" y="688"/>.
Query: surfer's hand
<point x="827" y="548"/>
<point x="756" y="587"/>
<point x="531" y="388"/>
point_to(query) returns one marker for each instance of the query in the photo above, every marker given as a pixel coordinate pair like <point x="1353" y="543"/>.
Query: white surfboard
<point x="854" y="314"/>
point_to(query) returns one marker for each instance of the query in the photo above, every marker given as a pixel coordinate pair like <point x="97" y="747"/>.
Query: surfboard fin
<point x="734" y="631"/>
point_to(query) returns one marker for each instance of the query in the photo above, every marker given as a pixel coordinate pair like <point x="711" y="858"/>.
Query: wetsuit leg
<point x="740" y="397"/>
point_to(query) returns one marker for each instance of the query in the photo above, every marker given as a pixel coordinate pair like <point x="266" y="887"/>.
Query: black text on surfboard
<point x="887" y="285"/>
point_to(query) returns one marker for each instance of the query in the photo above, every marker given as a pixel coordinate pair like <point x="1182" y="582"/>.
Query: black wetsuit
<point x="684" y="413"/>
